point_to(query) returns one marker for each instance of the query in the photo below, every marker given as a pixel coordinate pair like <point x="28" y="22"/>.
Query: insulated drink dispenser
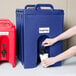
<point x="40" y="24"/>
<point x="7" y="41"/>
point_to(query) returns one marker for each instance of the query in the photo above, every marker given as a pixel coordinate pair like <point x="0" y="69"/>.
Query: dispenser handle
<point x="37" y="7"/>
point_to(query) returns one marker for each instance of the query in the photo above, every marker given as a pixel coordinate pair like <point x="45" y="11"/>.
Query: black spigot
<point x="42" y="50"/>
<point x="3" y="51"/>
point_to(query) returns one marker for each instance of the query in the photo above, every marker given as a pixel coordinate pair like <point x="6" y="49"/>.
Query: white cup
<point x="43" y="56"/>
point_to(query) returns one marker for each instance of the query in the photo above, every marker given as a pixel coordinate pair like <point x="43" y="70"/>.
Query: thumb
<point x="45" y="45"/>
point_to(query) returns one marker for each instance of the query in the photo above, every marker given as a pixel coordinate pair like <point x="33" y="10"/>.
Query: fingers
<point x="44" y="63"/>
<point x="45" y="45"/>
<point x="45" y="42"/>
<point x="48" y="42"/>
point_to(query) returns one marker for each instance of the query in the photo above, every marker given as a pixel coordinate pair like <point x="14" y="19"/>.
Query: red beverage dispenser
<point x="7" y="41"/>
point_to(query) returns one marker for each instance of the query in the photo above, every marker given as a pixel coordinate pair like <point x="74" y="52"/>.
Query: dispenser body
<point x="33" y="39"/>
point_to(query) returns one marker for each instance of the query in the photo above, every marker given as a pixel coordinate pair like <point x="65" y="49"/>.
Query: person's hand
<point x="49" y="41"/>
<point x="47" y="62"/>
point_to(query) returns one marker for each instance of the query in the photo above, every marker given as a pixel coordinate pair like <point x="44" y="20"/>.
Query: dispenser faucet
<point x="3" y="51"/>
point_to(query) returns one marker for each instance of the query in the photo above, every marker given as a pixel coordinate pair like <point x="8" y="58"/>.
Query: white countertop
<point x="67" y="69"/>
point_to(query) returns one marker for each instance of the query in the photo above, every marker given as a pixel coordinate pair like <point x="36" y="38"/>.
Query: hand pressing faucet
<point x="67" y="54"/>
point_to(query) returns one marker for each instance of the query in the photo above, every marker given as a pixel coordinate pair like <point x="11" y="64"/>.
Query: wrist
<point x="56" y="59"/>
<point x="56" y="39"/>
<point x="53" y="60"/>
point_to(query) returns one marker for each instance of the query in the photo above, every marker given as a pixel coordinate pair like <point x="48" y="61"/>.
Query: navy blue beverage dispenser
<point x="40" y="24"/>
<point x="33" y="27"/>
